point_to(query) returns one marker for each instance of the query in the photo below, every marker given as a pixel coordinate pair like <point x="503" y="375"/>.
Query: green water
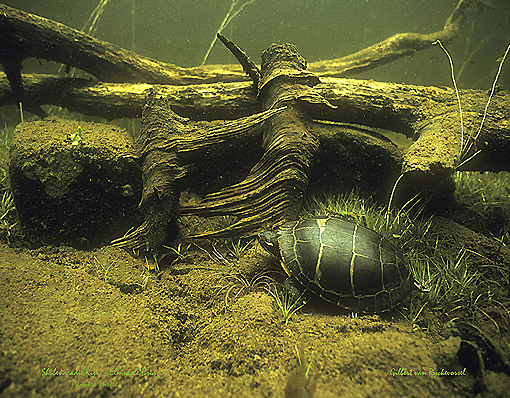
<point x="180" y="32"/>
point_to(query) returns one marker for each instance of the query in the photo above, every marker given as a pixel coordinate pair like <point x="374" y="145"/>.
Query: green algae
<point x="56" y="172"/>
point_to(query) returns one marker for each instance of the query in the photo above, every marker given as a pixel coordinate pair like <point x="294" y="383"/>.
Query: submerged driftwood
<point x="168" y="145"/>
<point x="276" y="184"/>
<point x="298" y="141"/>
<point x="415" y="111"/>
<point x="24" y="35"/>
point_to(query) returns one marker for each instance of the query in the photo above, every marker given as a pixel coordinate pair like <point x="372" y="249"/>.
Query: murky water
<point x="180" y="32"/>
<point x="202" y="327"/>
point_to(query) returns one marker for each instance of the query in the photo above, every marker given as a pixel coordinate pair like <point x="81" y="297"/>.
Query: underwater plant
<point x="231" y="14"/>
<point x="179" y="251"/>
<point x="76" y="137"/>
<point x="461" y="290"/>
<point x="6" y="204"/>
<point x="299" y="383"/>
<point x="235" y="284"/>
<point x="102" y="269"/>
<point x="287" y="304"/>
<point x="6" y="136"/>
<point x="481" y="203"/>
<point x="238" y="248"/>
<point x="6" y="207"/>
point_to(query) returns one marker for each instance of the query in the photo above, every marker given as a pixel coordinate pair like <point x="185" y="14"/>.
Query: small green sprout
<point x="179" y="251"/>
<point x="104" y="268"/>
<point x="237" y="249"/>
<point x="286" y="303"/>
<point x="6" y="204"/>
<point x="300" y="354"/>
<point x="299" y="382"/>
<point x="76" y="137"/>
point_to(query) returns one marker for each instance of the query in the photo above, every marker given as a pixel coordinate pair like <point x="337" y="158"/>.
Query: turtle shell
<point x="344" y="263"/>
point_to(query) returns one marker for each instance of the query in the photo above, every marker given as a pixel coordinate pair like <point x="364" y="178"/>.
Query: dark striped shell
<point x="342" y="262"/>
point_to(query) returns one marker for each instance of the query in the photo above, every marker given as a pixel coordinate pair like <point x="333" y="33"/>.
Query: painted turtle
<point x="342" y="262"/>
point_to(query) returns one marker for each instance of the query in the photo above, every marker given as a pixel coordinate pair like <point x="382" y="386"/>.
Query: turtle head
<point x="269" y="241"/>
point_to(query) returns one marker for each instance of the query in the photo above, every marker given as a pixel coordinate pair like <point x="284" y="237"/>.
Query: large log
<point x="126" y="100"/>
<point x="24" y="35"/>
<point x="294" y="149"/>
<point x="407" y="109"/>
<point x="429" y="115"/>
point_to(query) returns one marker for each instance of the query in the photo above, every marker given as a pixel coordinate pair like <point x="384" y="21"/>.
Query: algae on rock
<point x="56" y="172"/>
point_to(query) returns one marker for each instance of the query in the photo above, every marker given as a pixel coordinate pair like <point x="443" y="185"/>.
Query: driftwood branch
<point x="276" y="184"/>
<point x="407" y="109"/>
<point x="24" y="35"/>
<point x="169" y="146"/>
<point x="393" y="48"/>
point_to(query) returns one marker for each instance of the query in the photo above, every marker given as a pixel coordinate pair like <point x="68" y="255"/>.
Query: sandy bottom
<point x="200" y="328"/>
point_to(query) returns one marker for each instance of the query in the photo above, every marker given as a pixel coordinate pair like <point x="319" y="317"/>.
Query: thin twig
<point x="458" y="96"/>
<point x="229" y="17"/>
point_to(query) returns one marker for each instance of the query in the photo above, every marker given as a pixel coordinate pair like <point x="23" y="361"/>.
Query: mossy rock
<point x="74" y="182"/>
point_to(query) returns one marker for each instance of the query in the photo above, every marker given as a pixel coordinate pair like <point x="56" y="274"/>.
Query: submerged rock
<point x="74" y="182"/>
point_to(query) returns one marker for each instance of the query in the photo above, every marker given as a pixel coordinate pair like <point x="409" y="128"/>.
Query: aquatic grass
<point x="226" y="221"/>
<point x="299" y="383"/>
<point x="238" y="248"/>
<point x="300" y="353"/>
<point x="287" y="304"/>
<point x="348" y="206"/>
<point x="231" y="14"/>
<point x="6" y="204"/>
<point x="458" y="287"/>
<point x="102" y="269"/>
<point x="234" y="248"/>
<point x="235" y="284"/>
<point x="221" y="222"/>
<point x="451" y="280"/>
<point x="180" y="251"/>
<point x="6" y="209"/>
<point x="482" y="202"/>
<point x="145" y="280"/>
<point x="482" y="189"/>
<point x="6" y="136"/>
<point x="217" y="257"/>
<point x="413" y="314"/>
